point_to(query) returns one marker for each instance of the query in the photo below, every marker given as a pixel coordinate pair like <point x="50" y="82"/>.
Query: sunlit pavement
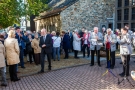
<point x="75" y="78"/>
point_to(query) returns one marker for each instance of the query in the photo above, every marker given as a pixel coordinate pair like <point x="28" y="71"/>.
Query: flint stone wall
<point x="87" y="13"/>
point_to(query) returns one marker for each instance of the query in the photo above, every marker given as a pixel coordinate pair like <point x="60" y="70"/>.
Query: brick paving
<point x="75" y="78"/>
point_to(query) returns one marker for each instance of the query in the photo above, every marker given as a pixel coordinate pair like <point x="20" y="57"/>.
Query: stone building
<point x="75" y="14"/>
<point x="125" y="13"/>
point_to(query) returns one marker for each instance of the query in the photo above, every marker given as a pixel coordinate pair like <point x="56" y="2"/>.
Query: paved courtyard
<point x="75" y="78"/>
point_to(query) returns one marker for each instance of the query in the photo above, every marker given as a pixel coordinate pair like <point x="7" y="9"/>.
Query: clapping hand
<point x="43" y="45"/>
<point x="97" y="37"/>
<point x="20" y="34"/>
<point x="118" y="37"/>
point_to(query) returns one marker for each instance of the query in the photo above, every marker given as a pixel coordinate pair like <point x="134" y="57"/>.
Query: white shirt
<point x="56" y="41"/>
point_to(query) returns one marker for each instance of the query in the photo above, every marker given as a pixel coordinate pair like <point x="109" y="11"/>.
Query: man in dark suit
<point x="46" y="49"/>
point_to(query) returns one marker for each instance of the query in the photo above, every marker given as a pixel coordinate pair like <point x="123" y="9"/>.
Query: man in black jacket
<point x="46" y="49"/>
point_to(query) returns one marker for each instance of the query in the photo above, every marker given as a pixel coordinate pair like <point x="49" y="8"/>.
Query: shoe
<point x="23" y="67"/>
<point x="120" y="62"/>
<point x="4" y="84"/>
<point x="111" y="67"/>
<point x="99" y="65"/>
<point x="17" y="80"/>
<point x="41" y="72"/>
<point x="122" y="74"/>
<point x="65" y="58"/>
<point x="54" y="60"/>
<point x="18" y="72"/>
<point x="91" y="65"/>
<point x="76" y="57"/>
<point x="49" y="69"/>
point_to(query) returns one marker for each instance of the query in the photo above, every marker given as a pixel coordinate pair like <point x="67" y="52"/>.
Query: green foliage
<point x="12" y="10"/>
<point x="36" y="6"/>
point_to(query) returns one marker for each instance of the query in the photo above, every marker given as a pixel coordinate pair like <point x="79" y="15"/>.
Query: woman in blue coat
<point x="65" y="43"/>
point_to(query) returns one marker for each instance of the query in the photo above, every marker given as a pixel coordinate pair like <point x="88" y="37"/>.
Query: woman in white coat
<point x="76" y="43"/>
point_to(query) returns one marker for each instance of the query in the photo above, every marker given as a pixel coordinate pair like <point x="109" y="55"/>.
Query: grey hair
<point x="109" y="30"/>
<point x="95" y="28"/>
<point x="35" y="34"/>
<point x="76" y="30"/>
<point x="86" y="31"/>
<point x="117" y="30"/>
<point x="43" y="30"/>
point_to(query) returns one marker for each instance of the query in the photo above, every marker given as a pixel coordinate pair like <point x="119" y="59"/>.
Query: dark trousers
<point x="43" y="60"/>
<point x="25" y="52"/>
<point x="66" y="53"/>
<point x="21" y="56"/>
<point x="30" y="56"/>
<point x="37" y="58"/>
<point x="12" y="72"/>
<point x="52" y="54"/>
<point x="72" y="46"/>
<point x="125" y="61"/>
<point x="88" y="51"/>
<point x="75" y="53"/>
<point x="117" y="45"/>
<point x="110" y="58"/>
<point x="97" y="56"/>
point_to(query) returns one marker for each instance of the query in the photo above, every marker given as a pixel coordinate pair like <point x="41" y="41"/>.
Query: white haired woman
<point x="11" y="45"/>
<point x="37" y="49"/>
<point x="110" y="45"/>
<point x="76" y="43"/>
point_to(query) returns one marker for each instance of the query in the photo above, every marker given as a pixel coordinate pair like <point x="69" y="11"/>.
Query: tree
<point x="12" y="10"/>
<point x="34" y="7"/>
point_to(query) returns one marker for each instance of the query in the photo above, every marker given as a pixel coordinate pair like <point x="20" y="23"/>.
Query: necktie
<point x="44" y="38"/>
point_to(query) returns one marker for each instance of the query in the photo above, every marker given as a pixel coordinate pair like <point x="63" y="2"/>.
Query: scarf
<point x="78" y="35"/>
<point x="108" y="45"/>
<point x="84" y="35"/>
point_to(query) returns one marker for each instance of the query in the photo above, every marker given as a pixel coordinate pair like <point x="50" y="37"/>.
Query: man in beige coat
<point x="2" y="64"/>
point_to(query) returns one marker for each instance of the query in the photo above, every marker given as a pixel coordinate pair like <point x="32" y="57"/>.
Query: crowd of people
<point x="17" y="44"/>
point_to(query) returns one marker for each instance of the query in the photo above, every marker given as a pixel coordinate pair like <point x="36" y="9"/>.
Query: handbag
<point x="54" y="40"/>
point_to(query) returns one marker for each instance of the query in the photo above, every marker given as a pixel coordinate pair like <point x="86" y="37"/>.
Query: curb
<point x="52" y="70"/>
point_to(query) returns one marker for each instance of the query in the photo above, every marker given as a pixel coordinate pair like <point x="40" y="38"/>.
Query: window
<point x="119" y="25"/>
<point x="133" y="13"/>
<point x="133" y="2"/>
<point x="133" y="26"/>
<point x="118" y="15"/>
<point x="126" y="2"/>
<point x="126" y="14"/>
<point x="119" y="3"/>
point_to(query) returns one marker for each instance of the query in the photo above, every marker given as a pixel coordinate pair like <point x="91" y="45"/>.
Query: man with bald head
<point x="46" y="49"/>
<point x="95" y="45"/>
